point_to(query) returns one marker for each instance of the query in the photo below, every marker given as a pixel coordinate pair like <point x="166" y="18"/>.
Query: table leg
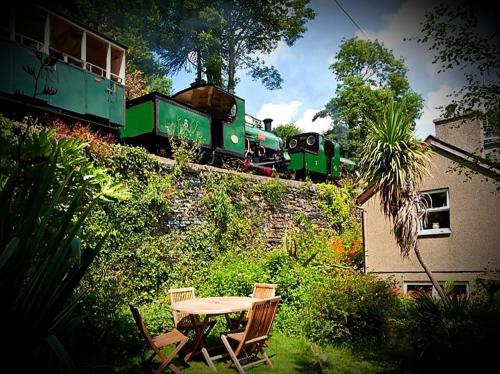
<point x="200" y="333"/>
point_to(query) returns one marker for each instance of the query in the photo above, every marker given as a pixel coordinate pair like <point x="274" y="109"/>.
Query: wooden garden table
<point x="210" y="307"/>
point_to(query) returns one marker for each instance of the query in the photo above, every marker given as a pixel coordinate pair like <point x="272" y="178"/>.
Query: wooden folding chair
<point x="184" y="321"/>
<point x="250" y="342"/>
<point x="260" y="291"/>
<point x="263" y="290"/>
<point x="159" y="342"/>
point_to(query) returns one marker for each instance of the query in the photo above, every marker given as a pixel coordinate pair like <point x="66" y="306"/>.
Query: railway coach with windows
<point x="53" y="64"/>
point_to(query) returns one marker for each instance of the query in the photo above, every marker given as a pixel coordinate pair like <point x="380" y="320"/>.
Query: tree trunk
<point x="429" y="273"/>
<point x="199" y="67"/>
<point x="231" y="68"/>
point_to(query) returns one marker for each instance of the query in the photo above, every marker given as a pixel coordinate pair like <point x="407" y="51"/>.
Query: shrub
<point x="295" y="281"/>
<point x="460" y="336"/>
<point x="231" y="275"/>
<point x="337" y="205"/>
<point x="349" y="308"/>
<point x="48" y="190"/>
<point x="272" y="191"/>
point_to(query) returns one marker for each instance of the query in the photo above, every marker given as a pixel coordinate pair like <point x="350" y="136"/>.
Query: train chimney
<point x="267" y="124"/>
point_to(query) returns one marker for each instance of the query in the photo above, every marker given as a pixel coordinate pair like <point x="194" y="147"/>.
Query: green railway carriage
<point x="152" y="119"/>
<point x="81" y="73"/>
<point x="313" y="155"/>
<point x="50" y="63"/>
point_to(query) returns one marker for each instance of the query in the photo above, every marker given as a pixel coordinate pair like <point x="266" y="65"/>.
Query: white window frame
<point x="443" y="230"/>
<point x="406" y="284"/>
<point x="434" y="292"/>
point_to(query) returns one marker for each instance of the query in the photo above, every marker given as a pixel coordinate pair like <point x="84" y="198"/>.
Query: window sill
<point x="434" y="232"/>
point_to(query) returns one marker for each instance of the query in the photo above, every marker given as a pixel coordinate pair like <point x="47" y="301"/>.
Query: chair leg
<point x="268" y="361"/>
<point x="174" y="369"/>
<point x="167" y="360"/>
<point x="233" y="356"/>
<point x="209" y="361"/>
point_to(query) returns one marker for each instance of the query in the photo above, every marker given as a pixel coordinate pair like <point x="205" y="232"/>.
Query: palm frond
<point x="394" y="163"/>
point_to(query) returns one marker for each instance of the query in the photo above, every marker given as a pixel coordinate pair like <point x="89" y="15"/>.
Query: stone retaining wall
<point x="298" y="197"/>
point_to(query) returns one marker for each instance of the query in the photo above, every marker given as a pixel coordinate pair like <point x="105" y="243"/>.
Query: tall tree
<point x="369" y="76"/>
<point x="393" y="163"/>
<point x="286" y="130"/>
<point x="254" y="26"/>
<point x="224" y="36"/>
<point x="189" y="35"/>
<point x="465" y="36"/>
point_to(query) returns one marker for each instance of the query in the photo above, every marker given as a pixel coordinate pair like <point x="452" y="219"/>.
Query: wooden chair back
<point x="260" y="319"/>
<point x="144" y="331"/>
<point x="181" y="294"/>
<point x="264" y="290"/>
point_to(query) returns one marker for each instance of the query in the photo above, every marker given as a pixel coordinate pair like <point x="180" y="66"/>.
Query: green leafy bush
<point x="461" y="336"/>
<point x="349" y="307"/>
<point x="231" y="275"/>
<point x="295" y="281"/>
<point x="48" y="190"/>
<point x="272" y="191"/>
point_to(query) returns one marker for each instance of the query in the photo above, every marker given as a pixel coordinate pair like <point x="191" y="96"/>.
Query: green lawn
<point x="294" y="355"/>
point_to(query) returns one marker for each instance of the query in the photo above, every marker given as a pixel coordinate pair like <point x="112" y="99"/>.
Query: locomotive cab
<point x="226" y="111"/>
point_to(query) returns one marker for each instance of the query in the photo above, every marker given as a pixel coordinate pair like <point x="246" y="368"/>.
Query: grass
<point x="294" y="355"/>
<point x="288" y="355"/>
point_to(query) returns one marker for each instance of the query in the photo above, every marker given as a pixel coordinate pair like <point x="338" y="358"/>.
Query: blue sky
<point x="309" y="84"/>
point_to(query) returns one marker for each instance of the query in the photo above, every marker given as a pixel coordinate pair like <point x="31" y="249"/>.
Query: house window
<point x="413" y="289"/>
<point x="437" y="218"/>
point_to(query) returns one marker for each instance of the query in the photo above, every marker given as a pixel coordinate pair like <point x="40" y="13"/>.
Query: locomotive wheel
<point x="298" y="175"/>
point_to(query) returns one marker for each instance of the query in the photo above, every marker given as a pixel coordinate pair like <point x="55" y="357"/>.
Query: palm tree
<point x="393" y="163"/>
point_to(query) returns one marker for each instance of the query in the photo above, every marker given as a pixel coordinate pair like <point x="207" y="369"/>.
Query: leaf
<point x="8" y="252"/>
<point x="76" y="248"/>
<point x="67" y="363"/>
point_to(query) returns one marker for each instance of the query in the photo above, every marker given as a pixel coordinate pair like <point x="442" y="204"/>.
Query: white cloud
<point x="280" y="113"/>
<point x="434" y="99"/>
<point x="289" y="112"/>
<point x="282" y="52"/>
<point x="306" y="123"/>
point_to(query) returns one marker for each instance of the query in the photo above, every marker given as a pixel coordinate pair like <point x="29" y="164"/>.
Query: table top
<point x="214" y="305"/>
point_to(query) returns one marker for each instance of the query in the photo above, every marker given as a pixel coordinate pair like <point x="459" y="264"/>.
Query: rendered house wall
<point x="472" y="247"/>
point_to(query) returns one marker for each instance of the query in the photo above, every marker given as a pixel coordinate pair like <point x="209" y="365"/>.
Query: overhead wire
<point x="365" y="35"/>
<point x="349" y="16"/>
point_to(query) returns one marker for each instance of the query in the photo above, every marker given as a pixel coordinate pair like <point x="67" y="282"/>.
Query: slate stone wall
<point x="299" y="196"/>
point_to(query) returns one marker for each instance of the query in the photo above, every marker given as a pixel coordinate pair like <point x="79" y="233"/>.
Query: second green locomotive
<point x="311" y="154"/>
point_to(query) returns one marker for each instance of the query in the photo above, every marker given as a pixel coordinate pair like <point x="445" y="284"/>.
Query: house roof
<point x="457" y="154"/>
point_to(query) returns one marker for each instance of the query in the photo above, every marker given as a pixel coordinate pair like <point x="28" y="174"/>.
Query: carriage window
<point x="65" y="41"/>
<point x="437" y="218"/>
<point x="30" y="27"/>
<point x="96" y="55"/>
<point x="116" y="64"/>
<point x="5" y="23"/>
